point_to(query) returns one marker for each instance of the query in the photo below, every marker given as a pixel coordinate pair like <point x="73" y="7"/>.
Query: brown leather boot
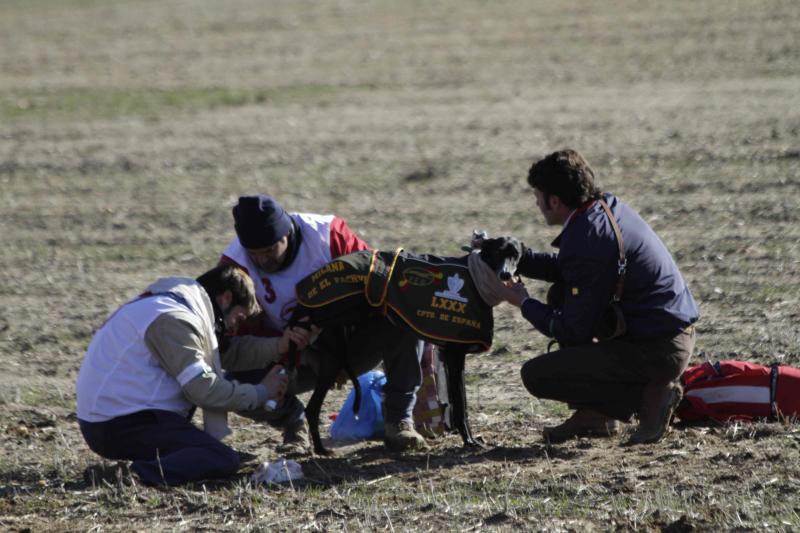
<point x="401" y="436"/>
<point x="582" y="423"/>
<point x="654" y="418"/>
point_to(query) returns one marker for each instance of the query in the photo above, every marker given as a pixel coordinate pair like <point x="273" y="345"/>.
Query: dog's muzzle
<point x="508" y="269"/>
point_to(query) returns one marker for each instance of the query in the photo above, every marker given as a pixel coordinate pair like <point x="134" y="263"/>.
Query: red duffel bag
<point x="735" y="390"/>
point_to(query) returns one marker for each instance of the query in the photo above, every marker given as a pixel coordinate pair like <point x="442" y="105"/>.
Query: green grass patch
<point x="148" y="102"/>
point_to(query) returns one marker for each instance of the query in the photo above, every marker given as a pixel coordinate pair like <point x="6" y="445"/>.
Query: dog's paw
<point x="324" y="452"/>
<point x="473" y="444"/>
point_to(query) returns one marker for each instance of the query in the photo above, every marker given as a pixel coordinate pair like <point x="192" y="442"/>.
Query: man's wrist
<point x="283" y="345"/>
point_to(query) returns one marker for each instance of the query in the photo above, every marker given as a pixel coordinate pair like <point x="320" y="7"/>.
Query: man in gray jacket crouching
<point x="157" y="358"/>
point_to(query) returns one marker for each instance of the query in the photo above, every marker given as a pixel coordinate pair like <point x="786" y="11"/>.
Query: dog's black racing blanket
<point x="434" y="296"/>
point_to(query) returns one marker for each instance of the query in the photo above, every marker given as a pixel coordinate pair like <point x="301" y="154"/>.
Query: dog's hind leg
<point x="456" y="390"/>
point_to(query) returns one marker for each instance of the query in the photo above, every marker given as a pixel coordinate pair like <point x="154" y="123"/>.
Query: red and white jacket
<point x="735" y="390"/>
<point x="324" y="238"/>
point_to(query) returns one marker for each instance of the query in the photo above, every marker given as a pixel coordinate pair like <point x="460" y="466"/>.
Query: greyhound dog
<point x="401" y="287"/>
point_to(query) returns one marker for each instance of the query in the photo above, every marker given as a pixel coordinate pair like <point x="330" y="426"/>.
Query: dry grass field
<point x="128" y="128"/>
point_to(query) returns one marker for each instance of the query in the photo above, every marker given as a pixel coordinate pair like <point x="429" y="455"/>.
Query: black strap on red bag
<point x="773" y="391"/>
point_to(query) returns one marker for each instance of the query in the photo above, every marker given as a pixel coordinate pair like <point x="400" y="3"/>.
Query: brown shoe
<point x="582" y="423"/>
<point x="401" y="436"/>
<point x="654" y="419"/>
<point x="295" y="440"/>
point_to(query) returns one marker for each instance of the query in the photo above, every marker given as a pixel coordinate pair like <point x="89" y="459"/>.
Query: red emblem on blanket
<point x="419" y="277"/>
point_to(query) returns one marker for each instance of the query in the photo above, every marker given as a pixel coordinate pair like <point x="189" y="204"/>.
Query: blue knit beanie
<point x="260" y="221"/>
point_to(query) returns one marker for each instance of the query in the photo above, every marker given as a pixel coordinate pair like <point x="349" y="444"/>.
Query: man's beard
<point x="272" y="266"/>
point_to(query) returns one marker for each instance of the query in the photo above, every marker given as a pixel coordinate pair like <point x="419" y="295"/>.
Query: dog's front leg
<point x="456" y="390"/>
<point x="313" y="409"/>
<point x="328" y="370"/>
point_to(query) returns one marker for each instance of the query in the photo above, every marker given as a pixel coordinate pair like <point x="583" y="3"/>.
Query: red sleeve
<point x="343" y="240"/>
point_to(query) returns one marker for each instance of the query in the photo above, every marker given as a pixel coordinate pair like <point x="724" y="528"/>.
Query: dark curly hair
<point x="567" y="175"/>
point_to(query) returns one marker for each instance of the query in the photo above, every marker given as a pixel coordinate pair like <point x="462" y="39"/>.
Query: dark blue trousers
<point x="165" y="447"/>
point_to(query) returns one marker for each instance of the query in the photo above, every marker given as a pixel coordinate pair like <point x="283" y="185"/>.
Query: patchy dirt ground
<point x="128" y="129"/>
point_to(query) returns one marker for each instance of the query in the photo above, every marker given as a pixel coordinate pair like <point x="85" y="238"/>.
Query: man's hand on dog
<point x="515" y="293"/>
<point x="299" y="335"/>
<point x="276" y="381"/>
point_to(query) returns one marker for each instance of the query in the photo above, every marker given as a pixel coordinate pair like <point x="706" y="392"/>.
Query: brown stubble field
<point x="128" y="129"/>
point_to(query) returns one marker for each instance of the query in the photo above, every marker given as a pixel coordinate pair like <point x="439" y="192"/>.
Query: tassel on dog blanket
<point x="434" y="296"/>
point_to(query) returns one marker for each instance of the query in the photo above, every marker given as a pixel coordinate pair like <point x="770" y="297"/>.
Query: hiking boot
<point x="401" y="436"/>
<point x="582" y="423"/>
<point x="654" y="419"/>
<point x="295" y="439"/>
<point x="427" y="431"/>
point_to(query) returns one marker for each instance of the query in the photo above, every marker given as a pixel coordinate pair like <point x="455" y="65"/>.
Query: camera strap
<point x="622" y="263"/>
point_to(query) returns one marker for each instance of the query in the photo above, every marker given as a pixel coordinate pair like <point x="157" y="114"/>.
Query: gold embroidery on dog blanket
<point x="434" y="296"/>
<point x="342" y="278"/>
<point x="381" y="268"/>
<point x="437" y="298"/>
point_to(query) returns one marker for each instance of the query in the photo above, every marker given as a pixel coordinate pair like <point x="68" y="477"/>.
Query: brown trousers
<point x="614" y="377"/>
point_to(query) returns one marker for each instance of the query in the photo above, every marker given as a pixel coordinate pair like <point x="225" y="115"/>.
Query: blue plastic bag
<point x="370" y="416"/>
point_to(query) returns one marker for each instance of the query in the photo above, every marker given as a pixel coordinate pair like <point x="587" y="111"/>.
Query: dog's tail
<point x="356" y="387"/>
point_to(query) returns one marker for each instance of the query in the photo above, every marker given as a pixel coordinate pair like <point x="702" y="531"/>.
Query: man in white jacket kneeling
<point x="157" y="358"/>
